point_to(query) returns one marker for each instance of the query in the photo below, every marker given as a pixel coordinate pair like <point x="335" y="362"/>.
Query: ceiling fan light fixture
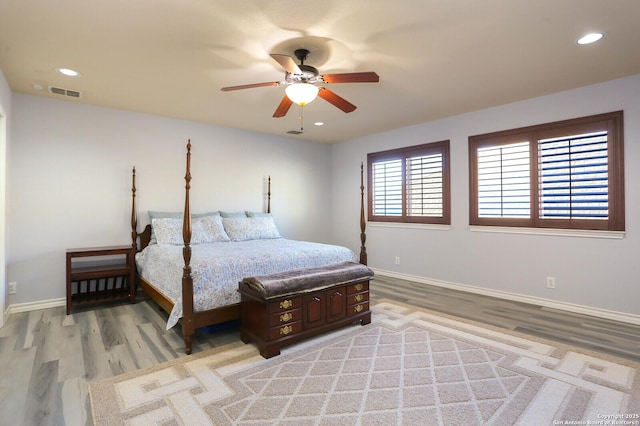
<point x="301" y="93"/>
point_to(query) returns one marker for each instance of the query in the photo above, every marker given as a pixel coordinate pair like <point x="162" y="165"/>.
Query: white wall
<point x="5" y="111"/>
<point x="70" y="182"/>
<point x="590" y="272"/>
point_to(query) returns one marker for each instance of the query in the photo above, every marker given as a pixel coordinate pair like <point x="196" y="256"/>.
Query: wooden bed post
<point x="188" y="328"/>
<point x="363" y="223"/>
<point x="269" y="195"/>
<point x="134" y="214"/>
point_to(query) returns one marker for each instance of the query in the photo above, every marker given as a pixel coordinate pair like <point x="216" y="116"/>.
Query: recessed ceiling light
<point x="590" y="38"/>
<point x="319" y="123"/>
<point x="68" y="72"/>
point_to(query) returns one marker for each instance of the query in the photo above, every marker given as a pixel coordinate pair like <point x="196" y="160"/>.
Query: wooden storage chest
<point x="280" y="320"/>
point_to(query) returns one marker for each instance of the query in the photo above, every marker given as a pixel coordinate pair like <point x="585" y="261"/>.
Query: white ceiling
<point x="435" y="58"/>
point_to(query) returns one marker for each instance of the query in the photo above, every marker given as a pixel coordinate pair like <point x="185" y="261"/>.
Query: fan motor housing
<point x="308" y="71"/>
<point x="308" y="74"/>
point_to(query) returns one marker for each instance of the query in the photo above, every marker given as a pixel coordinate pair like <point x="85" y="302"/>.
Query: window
<point x="410" y="184"/>
<point x="568" y="174"/>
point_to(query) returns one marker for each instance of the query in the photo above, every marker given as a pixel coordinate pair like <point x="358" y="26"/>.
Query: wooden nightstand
<point x="100" y="274"/>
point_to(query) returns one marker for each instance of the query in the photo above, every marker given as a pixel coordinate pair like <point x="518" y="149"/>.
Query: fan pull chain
<point x="301" y="118"/>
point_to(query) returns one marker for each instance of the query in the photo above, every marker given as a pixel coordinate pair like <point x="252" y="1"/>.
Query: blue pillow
<point x="257" y="214"/>
<point x="232" y="214"/>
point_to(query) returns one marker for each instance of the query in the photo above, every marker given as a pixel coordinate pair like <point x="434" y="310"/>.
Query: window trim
<point x="441" y="147"/>
<point x="612" y="122"/>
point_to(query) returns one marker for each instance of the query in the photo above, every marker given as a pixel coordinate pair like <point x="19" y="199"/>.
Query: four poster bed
<point x="213" y="252"/>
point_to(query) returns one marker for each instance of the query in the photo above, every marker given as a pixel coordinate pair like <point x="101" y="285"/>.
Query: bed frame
<point x="192" y="320"/>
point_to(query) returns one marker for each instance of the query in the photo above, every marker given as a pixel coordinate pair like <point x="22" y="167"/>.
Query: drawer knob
<point x="286" y="317"/>
<point x="359" y="297"/>
<point x="358" y="308"/>
<point x="286" y="330"/>
<point x="286" y="304"/>
<point x="358" y="286"/>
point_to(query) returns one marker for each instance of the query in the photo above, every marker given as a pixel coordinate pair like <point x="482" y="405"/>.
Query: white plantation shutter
<point x="574" y="177"/>
<point x="387" y="188"/>
<point x="425" y="186"/>
<point x="504" y="180"/>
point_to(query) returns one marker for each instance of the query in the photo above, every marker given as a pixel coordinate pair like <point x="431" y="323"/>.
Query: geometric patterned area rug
<point x="408" y="367"/>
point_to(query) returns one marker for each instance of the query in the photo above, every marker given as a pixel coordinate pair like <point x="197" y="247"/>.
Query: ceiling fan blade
<point x="352" y="77"/>
<point x="283" y="108"/>
<point x="250" y="86"/>
<point x="287" y="63"/>
<point x="336" y="100"/>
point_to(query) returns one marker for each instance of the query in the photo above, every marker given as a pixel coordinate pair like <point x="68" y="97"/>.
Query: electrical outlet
<point x="13" y="287"/>
<point x="397" y="260"/>
<point x="551" y="282"/>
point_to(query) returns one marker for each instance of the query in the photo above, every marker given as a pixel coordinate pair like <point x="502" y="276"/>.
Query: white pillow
<point x="250" y="228"/>
<point x="207" y="229"/>
<point x="167" y="230"/>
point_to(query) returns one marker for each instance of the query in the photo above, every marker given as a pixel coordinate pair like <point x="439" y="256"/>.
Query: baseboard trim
<point x="564" y="306"/>
<point x="34" y="306"/>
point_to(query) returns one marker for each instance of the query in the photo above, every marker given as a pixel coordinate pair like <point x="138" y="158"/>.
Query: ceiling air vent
<point x="65" y="92"/>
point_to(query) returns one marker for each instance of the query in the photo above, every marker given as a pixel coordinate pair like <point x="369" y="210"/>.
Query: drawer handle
<point x="359" y="297"/>
<point x="286" y="304"/>
<point x="286" y="317"/>
<point x="358" y="286"/>
<point x="286" y="330"/>
<point x="358" y="308"/>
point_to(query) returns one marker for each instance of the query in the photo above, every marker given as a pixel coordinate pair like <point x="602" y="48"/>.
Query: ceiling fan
<point x="304" y="83"/>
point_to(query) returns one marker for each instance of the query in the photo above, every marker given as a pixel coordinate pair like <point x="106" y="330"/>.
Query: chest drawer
<point x="356" y="309"/>
<point x="285" y="330"/>
<point x="358" y="287"/>
<point x="283" y="305"/>
<point x="281" y="318"/>
<point x="353" y="299"/>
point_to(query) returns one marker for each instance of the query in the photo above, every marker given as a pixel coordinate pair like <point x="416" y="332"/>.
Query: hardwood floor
<point x="48" y="358"/>
<point x="602" y="335"/>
